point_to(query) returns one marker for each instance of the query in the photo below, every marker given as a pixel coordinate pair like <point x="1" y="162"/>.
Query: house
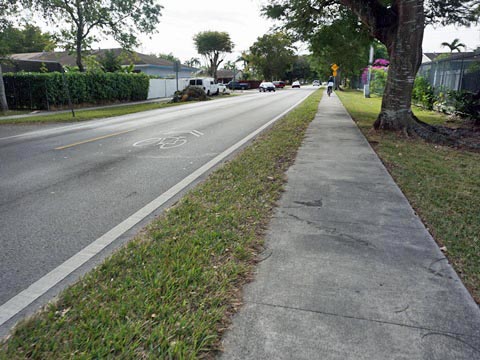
<point x="148" y="64"/>
<point x="452" y="71"/>
<point x="226" y="75"/>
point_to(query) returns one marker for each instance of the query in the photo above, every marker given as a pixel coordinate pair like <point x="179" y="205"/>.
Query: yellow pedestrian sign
<point x="335" y="67"/>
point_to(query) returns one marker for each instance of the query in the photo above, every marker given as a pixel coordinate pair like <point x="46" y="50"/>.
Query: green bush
<point x="378" y="81"/>
<point x="44" y="90"/>
<point x="423" y="93"/>
<point x="466" y="104"/>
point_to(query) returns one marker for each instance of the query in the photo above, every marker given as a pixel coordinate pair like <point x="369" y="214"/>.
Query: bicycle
<point x="329" y="91"/>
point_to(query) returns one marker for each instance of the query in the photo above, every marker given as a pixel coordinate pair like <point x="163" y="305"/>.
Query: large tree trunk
<point x="404" y="44"/>
<point x="79" y="41"/>
<point x="3" y="97"/>
<point x="400" y="27"/>
<point x="78" y="51"/>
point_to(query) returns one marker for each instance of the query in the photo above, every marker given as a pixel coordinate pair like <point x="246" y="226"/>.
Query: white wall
<point x="162" y="88"/>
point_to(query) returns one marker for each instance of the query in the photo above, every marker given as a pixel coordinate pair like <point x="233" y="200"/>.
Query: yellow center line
<point x="94" y="139"/>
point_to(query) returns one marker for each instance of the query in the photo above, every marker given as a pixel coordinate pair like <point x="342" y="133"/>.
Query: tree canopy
<point x="78" y="21"/>
<point x="7" y="8"/>
<point x="272" y="55"/>
<point x="345" y="42"/>
<point x="193" y="62"/>
<point x="24" y="40"/>
<point x="304" y="16"/>
<point x="169" y="57"/>
<point x="398" y="24"/>
<point x="213" y="45"/>
<point x="300" y="69"/>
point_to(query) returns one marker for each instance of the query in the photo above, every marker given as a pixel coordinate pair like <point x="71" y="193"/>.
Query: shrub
<point x="378" y="81"/>
<point x="466" y="104"/>
<point x="423" y="93"/>
<point x="44" y="90"/>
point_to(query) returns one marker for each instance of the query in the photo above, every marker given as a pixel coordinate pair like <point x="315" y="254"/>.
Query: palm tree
<point x="193" y="62"/>
<point x="454" y="45"/>
<point x="246" y="59"/>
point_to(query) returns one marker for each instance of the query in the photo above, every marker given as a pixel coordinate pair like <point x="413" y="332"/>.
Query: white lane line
<point x="20" y="301"/>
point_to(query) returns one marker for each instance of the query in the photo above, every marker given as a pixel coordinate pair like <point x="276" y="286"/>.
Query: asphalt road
<point x="63" y="187"/>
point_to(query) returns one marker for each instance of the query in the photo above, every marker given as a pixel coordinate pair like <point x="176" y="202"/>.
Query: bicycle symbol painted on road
<point x="167" y="142"/>
<point x="163" y="143"/>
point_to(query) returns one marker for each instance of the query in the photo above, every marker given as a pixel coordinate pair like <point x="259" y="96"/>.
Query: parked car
<point x="296" y="84"/>
<point x="237" y="85"/>
<point x="279" y="84"/>
<point x="222" y="88"/>
<point x="316" y="83"/>
<point x="266" y="86"/>
<point x="207" y="84"/>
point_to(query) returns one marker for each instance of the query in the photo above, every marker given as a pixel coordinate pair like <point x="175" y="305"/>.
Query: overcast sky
<point x="182" y="19"/>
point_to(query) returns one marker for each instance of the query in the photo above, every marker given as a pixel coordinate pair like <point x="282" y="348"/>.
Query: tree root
<point x="439" y="135"/>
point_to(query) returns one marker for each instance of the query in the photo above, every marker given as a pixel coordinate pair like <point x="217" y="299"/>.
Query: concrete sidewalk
<point x="350" y="272"/>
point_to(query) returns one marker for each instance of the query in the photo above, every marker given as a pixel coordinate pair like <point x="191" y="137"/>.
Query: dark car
<point x="235" y="85"/>
<point x="279" y="84"/>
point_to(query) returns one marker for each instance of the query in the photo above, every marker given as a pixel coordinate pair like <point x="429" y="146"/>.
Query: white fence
<point x="162" y="88"/>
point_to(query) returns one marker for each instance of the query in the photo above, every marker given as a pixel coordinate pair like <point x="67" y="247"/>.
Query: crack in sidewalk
<point x="430" y="330"/>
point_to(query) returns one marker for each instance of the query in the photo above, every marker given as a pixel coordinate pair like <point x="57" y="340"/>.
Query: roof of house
<point x="225" y="73"/>
<point x="451" y="56"/>
<point x="67" y="58"/>
<point x="432" y="56"/>
<point x="9" y="65"/>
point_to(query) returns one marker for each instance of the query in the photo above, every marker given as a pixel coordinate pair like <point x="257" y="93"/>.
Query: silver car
<point x="266" y="86"/>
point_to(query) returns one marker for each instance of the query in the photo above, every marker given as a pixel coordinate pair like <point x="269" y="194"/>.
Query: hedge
<point x="46" y="90"/>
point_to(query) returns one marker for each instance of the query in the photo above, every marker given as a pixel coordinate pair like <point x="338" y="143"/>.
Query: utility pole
<point x="366" y="88"/>
<point x="176" y="68"/>
<point x="233" y="78"/>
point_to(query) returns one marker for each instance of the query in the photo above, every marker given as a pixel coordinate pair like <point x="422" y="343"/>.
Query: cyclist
<point x="330" y="84"/>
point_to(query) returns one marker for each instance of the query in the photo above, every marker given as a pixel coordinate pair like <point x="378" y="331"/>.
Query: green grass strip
<point x="442" y="184"/>
<point x="84" y="115"/>
<point x="168" y="294"/>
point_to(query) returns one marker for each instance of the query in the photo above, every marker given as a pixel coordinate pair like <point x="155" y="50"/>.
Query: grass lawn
<point x="83" y="115"/>
<point x="442" y="184"/>
<point x="169" y="293"/>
